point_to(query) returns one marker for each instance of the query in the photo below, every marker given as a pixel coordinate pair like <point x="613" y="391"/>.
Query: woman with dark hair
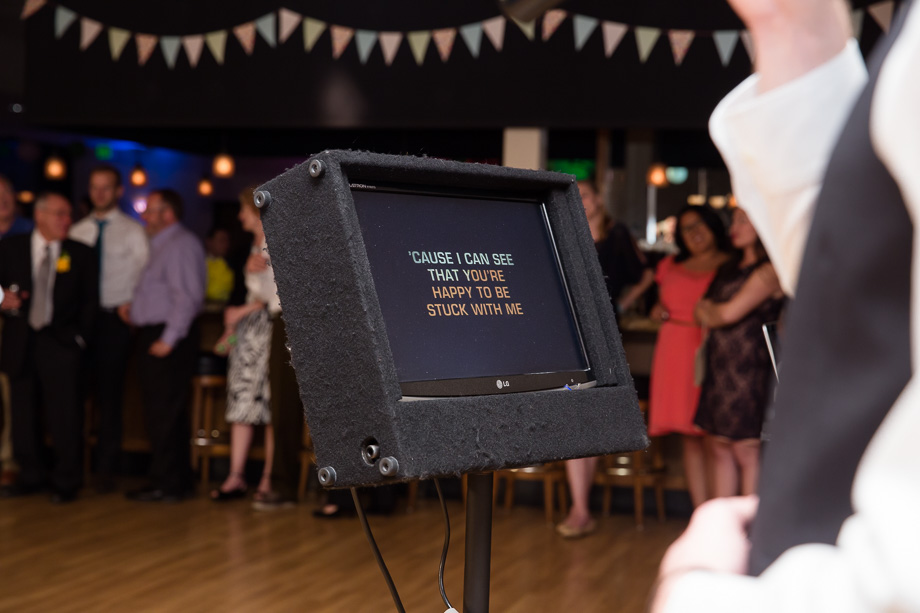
<point x="736" y="388"/>
<point x="682" y="281"/>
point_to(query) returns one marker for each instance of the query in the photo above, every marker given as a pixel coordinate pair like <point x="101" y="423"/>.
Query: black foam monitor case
<point x="363" y="431"/>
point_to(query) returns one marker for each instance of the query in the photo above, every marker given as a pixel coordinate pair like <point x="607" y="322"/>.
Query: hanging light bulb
<point x="657" y="175"/>
<point x="138" y="176"/>
<point x="205" y="187"/>
<point x="223" y="166"/>
<point x="55" y="168"/>
<point x="26" y="197"/>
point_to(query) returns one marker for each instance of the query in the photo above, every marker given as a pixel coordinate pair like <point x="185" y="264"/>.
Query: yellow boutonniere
<point x="63" y="262"/>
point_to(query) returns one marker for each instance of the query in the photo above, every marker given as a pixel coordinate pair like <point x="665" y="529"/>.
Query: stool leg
<point x="548" y="498"/>
<point x="509" y="490"/>
<point x="638" y="488"/>
<point x="412" y="498"/>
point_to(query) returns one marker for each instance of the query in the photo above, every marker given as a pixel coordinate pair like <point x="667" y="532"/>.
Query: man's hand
<point x="256" y="263"/>
<point x="160" y="349"/>
<point x="11" y="301"/>
<point x="124" y="312"/>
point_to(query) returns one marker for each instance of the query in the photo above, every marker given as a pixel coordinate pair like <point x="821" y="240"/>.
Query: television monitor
<point x="472" y="291"/>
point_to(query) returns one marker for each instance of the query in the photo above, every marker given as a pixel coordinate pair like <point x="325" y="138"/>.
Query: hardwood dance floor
<point x="104" y="553"/>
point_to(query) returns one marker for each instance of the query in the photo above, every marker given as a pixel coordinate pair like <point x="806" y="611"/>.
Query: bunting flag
<point x="118" y="38"/>
<point x="276" y="27"/>
<point x="613" y="33"/>
<point x="31" y="7"/>
<point x="341" y="36"/>
<point x="444" y="41"/>
<point x="193" y="46"/>
<point x="551" y="21"/>
<point x="312" y="30"/>
<point x="472" y="36"/>
<point x="725" y="41"/>
<point x="217" y="44"/>
<point x="882" y="13"/>
<point x="63" y="18"/>
<point x="389" y="44"/>
<point x="364" y="41"/>
<point x="170" y="45"/>
<point x="495" y="30"/>
<point x="584" y="27"/>
<point x="246" y="34"/>
<point x="645" y="40"/>
<point x="146" y="43"/>
<point x="266" y="27"/>
<point x="527" y="27"/>
<point x="418" y="43"/>
<point x="748" y="43"/>
<point x="856" y="18"/>
<point x="680" y="43"/>
<point x="89" y="30"/>
<point x="288" y="20"/>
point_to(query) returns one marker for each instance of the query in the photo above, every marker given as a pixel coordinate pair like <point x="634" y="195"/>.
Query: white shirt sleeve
<point x="777" y="145"/>
<point x="874" y="566"/>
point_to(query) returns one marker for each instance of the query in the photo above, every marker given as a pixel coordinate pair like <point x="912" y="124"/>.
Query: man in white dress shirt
<point x="122" y="250"/>
<point x="815" y="142"/>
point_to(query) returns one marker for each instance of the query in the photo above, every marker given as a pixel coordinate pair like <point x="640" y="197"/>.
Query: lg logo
<point x="500" y="384"/>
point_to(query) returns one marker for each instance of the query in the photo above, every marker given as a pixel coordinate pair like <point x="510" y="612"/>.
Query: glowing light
<point x="223" y="166"/>
<point x="140" y="205"/>
<point x="657" y="176"/>
<point x="696" y="200"/>
<point x="718" y="202"/>
<point x="25" y="197"/>
<point x="55" y="169"/>
<point x="676" y="175"/>
<point x="205" y="187"/>
<point x="138" y="176"/>
<point x="732" y="202"/>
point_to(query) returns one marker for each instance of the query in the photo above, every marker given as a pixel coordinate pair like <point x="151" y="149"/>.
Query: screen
<point x="471" y="291"/>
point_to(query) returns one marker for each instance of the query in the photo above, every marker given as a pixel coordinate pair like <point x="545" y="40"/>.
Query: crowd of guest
<point x="81" y="301"/>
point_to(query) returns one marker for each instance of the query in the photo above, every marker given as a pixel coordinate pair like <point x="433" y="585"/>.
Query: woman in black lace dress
<point x="737" y="384"/>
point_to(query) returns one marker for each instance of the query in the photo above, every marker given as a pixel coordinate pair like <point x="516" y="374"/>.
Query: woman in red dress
<point x="682" y="282"/>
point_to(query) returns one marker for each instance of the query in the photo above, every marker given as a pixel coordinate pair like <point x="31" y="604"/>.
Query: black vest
<point x="846" y="347"/>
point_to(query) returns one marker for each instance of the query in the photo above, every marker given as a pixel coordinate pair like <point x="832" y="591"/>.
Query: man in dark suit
<point x="44" y="336"/>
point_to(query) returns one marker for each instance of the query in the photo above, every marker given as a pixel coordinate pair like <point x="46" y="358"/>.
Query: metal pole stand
<point x="478" y="554"/>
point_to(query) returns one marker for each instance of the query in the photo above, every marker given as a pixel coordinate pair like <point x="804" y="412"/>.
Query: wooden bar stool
<point x="553" y="477"/>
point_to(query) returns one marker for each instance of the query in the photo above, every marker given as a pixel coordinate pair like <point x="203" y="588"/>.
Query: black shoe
<point x="18" y="490"/>
<point x="154" y="494"/>
<point x="63" y="496"/>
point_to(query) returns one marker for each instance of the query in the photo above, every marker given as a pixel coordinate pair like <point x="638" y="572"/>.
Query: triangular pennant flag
<point x="527" y="27"/>
<point x="146" y="43"/>
<point x="613" y="34"/>
<point x="444" y="41"/>
<point x="217" y="43"/>
<point x="31" y="7"/>
<point x="418" y="42"/>
<point x="584" y="27"/>
<point x="495" y="30"/>
<point x="265" y="26"/>
<point x="551" y="22"/>
<point x="856" y="18"/>
<point x="312" y="29"/>
<point x="246" y="34"/>
<point x="680" y="43"/>
<point x="364" y="41"/>
<point x="472" y="36"/>
<point x="882" y="13"/>
<point x="646" y="39"/>
<point x="341" y="36"/>
<point x="118" y="38"/>
<point x="170" y="47"/>
<point x="726" y="41"/>
<point x="389" y="44"/>
<point x="89" y="30"/>
<point x="63" y="18"/>
<point x="288" y="22"/>
<point x="748" y="44"/>
<point x="193" y="45"/>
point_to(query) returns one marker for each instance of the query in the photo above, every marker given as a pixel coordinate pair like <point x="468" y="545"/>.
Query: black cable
<point x="437" y="486"/>
<point x="373" y="543"/>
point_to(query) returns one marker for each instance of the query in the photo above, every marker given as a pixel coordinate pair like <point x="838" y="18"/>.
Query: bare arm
<point x="760" y="286"/>
<point x="634" y="292"/>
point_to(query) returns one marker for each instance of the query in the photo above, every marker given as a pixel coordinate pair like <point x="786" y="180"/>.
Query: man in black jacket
<point x="44" y="336"/>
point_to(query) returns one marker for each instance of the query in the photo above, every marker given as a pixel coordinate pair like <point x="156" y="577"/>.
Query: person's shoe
<point x="220" y="495"/>
<point x="63" y="496"/>
<point x="272" y="501"/>
<point x="154" y="494"/>
<point x="568" y="531"/>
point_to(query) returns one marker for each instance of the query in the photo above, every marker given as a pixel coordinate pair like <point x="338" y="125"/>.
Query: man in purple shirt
<point x="166" y="302"/>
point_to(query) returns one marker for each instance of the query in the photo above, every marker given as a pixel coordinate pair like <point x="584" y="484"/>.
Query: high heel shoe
<point x="220" y="495"/>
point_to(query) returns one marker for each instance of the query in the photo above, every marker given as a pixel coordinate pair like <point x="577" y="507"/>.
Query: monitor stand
<point x="478" y="554"/>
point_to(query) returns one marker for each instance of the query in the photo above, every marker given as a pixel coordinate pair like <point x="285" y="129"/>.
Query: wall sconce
<point x="138" y="176"/>
<point x="55" y="168"/>
<point x="205" y="187"/>
<point x="657" y="175"/>
<point x="26" y="197"/>
<point x="223" y="166"/>
<point x="696" y="200"/>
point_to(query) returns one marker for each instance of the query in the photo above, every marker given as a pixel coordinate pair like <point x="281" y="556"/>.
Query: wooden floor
<point x="104" y="553"/>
